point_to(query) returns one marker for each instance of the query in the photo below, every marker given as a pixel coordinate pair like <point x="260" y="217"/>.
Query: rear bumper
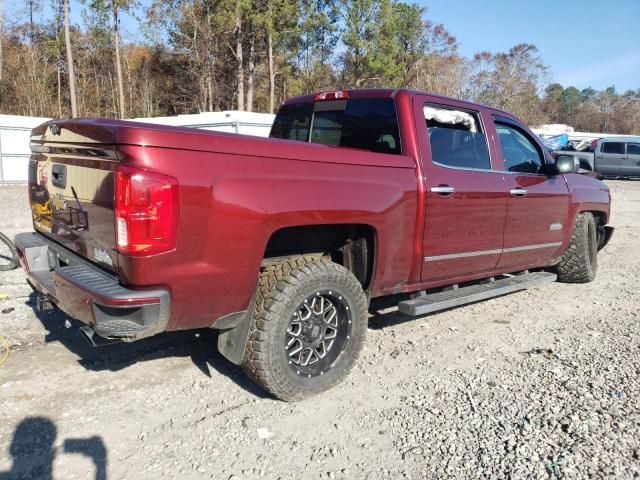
<point x="89" y="294"/>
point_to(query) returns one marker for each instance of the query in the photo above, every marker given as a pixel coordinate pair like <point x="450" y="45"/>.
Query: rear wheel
<point x="579" y="263"/>
<point x="8" y="254"/>
<point x="308" y="327"/>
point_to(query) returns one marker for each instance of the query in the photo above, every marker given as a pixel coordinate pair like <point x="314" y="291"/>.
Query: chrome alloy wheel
<point x="318" y="333"/>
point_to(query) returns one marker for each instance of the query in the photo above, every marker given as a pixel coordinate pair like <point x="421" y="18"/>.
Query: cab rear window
<point x="366" y="124"/>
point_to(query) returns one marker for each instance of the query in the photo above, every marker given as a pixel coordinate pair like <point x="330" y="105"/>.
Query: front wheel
<point x="579" y="263"/>
<point x="308" y="327"/>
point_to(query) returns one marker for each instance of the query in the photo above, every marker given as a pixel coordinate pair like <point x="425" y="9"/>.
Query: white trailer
<point x="231" y="121"/>
<point x="15" y="133"/>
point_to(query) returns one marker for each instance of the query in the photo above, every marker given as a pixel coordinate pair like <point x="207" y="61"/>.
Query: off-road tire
<point x="579" y="263"/>
<point x="282" y="288"/>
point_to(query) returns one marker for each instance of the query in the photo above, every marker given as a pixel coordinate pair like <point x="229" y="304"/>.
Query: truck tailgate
<point x="71" y="190"/>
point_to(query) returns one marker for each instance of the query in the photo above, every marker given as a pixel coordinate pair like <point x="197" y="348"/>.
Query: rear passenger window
<point x="456" y="138"/>
<point x="613" y="147"/>
<point x="519" y="152"/>
<point x="633" y="148"/>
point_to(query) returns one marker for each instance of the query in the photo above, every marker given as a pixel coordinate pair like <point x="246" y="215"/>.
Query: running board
<point x="474" y="293"/>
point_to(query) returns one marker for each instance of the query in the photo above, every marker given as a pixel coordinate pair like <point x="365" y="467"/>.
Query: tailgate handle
<point x="59" y="174"/>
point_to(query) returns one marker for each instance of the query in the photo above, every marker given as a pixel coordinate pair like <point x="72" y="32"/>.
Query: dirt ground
<point x="539" y="384"/>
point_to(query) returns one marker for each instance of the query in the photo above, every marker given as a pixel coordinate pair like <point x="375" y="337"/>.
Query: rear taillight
<point x="146" y="211"/>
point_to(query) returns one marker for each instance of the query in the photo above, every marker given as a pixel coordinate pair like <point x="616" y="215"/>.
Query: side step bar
<point x="474" y="293"/>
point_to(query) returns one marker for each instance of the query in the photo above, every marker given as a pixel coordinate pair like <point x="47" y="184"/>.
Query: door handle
<point x="518" y="192"/>
<point x="443" y="190"/>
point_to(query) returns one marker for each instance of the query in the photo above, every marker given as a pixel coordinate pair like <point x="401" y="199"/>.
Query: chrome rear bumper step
<point x="461" y="296"/>
<point x="94" y="339"/>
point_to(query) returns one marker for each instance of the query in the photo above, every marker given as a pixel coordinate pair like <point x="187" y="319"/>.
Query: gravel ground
<point x="538" y="384"/>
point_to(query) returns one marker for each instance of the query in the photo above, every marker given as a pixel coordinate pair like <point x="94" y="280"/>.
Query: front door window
<point x="519" y="153"/>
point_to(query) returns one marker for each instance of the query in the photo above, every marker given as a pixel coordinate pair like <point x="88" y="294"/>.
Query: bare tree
<point x="251" y="72"/>
<point x="71" y="71"/>
<point x="115" y="7"/>
<point x="239" y="62"/>
<point x="272" y="74"/>
<point x="1" y="36"/>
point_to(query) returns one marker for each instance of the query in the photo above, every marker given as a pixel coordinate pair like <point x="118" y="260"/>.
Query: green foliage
<point x="384" y="41"/>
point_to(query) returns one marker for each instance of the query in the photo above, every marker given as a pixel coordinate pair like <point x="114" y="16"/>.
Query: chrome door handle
<point x="443" y="190"/>
<point x="518" y="192"/>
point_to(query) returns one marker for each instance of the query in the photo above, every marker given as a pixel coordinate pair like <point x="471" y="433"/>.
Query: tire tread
<point x="575" y="265"/>
<point x="277" y="284"/>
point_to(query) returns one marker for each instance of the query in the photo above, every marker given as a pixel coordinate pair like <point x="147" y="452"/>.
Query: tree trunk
<point x="239" y="64"/>
<point x="1" y="40"/>
<point x="210" y="89"/>
<point x="59" y="91"/>
<point x="71" y="72"/>
<point x="202" y="84"/>
<point x="116" y="39"/>
<point x="113" y="95"/>
<point x="272" y="74"/>
<point x="31" y="7"/>
<point x="252" y="69"/>
<point x="131" y="84"/>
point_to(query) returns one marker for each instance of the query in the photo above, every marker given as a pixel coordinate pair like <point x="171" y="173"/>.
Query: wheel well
<point x="600" y="217"/>
<point x="601" y="221"/>
<point x="585" y="165"/>
<point x="350" y="245"/>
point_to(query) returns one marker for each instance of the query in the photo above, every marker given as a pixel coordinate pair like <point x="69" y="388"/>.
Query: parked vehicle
<point x="280" y="243"/>
<point x="612" y="157"/>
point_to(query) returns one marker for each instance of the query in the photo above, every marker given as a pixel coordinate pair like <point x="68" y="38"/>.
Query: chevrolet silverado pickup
<point x="280" y="243"/>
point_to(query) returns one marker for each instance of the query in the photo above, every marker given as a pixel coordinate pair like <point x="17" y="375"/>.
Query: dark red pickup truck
<point x="280" y="243"/>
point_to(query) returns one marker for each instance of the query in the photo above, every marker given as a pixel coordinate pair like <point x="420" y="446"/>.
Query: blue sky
<point x="584" y="42"/>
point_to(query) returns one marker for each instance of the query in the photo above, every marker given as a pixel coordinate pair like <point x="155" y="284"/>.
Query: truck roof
<point x="621" y="138"/>
<point x="392" y="93"/>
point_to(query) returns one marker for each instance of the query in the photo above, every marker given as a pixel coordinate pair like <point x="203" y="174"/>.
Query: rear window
<point x="613" y="147"/>
<point x="633" y="148"/>
<point x="366" y="124"/>
<point x="293" y="122"/>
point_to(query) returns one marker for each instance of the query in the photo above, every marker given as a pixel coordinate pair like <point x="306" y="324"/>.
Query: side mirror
<point x="567" y="164"/>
